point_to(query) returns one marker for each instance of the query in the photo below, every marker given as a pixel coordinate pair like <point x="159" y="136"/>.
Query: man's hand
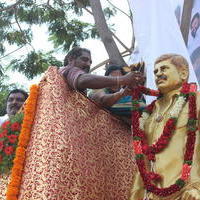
<point x="192" y="194"/>
<point x="125" y="91"/>
<point x="132" y="79"/>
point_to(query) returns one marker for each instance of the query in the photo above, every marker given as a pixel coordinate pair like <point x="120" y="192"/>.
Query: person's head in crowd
<point x="15" y="100"/>
<point x="195" y="58"/>
<point x="79" y="57"/>
<point x="195" y="23"/>
<point x="114" y="70"/>
<point x="170" y="71"/>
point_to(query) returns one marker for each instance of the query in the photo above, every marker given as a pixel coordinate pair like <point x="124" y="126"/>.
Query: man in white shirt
<point x="14" y="102"/>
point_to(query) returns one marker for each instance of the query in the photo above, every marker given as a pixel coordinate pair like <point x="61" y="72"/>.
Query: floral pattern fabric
<point x="77" y="151"/>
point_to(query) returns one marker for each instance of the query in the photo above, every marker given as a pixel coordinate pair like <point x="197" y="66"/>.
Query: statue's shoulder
<point x="198" y="94"/>
<point x="198" y="100"/>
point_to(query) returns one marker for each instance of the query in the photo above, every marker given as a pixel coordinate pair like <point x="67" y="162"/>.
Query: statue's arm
<point x="194" y="193"/>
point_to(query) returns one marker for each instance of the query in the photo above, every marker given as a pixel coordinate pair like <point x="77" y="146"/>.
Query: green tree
<point x="65" y="30"/>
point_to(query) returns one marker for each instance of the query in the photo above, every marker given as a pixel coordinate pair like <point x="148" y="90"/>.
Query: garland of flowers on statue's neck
<point x="141" y="147"/>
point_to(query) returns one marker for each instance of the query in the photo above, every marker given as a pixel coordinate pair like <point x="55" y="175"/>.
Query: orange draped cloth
<point x="77" y="150"/>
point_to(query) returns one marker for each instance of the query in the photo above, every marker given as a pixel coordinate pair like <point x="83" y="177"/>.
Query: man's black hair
<point x="18" y="91"/>
<point x="112" y="68"/>
<point x="197" y="15"/>
<point x="75" y="53"/>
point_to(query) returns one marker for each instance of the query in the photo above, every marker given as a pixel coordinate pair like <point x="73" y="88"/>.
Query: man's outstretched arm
<point x="131" y="79"/>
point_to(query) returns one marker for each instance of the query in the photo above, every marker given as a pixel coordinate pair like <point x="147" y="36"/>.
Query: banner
<point x="157" y="32"/>
<point x="194" y="38"/>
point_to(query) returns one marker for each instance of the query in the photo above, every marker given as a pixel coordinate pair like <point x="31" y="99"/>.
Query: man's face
<point x="194" y="26"/>
<point x="167" y="77"/>
<point x="83" y="61"/>
<point x="14" y="103"/>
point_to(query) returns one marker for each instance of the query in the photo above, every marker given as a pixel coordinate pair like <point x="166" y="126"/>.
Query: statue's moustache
<point x="162" y="77"/>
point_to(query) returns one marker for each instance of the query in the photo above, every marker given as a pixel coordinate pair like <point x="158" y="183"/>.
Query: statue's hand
<point x="192" y="194"/>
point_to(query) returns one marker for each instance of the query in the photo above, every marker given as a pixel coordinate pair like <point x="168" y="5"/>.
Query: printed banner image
<point x="194" y="38"/>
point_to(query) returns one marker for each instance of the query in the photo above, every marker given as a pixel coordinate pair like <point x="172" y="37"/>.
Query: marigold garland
<point x="142" y="149"/>
<point x="16" y="173"/>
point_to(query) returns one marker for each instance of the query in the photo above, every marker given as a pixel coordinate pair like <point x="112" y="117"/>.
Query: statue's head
<point x="171" y="71"/>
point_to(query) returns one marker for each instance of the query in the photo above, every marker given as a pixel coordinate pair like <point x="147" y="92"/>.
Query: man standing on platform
<point x="77" y="65"/>
<point x="77" y="150"/>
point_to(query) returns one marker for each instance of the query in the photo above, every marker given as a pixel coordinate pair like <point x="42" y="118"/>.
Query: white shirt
<point x="3" y="119"/>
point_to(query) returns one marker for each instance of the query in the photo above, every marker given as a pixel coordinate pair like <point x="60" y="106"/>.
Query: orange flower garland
<point x="16" y="173"/>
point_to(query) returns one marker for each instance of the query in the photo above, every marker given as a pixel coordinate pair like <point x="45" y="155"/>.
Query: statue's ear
<point x="184" y="74"/>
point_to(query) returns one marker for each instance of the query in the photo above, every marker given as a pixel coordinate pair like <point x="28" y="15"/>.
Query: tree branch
<point x="48" y="3"/>
<point x="11" y="52"/>
<point x="107" y="61"/>
<point x="127" y="49"/>
<point x="12" y="6"/>
<point x="82" y="6"/>
<point x="133" y="34"/>
<point x="25" y="40"/>
<point x="88" y="11"/>
<point x="119" y="9"/>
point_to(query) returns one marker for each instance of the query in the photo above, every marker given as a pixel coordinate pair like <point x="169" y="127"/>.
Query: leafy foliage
<point x="34" y="63"/>
<point x="65" y="29"/>
<point x="109" y="12"/>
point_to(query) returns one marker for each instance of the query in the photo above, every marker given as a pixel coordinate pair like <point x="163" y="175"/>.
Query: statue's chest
<point x="156" y="122"/>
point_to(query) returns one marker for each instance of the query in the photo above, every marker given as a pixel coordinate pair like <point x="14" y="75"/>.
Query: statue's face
<point x="167" y="77"/>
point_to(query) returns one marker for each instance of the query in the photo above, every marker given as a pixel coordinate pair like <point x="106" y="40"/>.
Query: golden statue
<point x="166" y="139"/>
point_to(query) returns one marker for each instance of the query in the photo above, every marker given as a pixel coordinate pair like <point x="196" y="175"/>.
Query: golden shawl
<point x="77" y="151"/>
